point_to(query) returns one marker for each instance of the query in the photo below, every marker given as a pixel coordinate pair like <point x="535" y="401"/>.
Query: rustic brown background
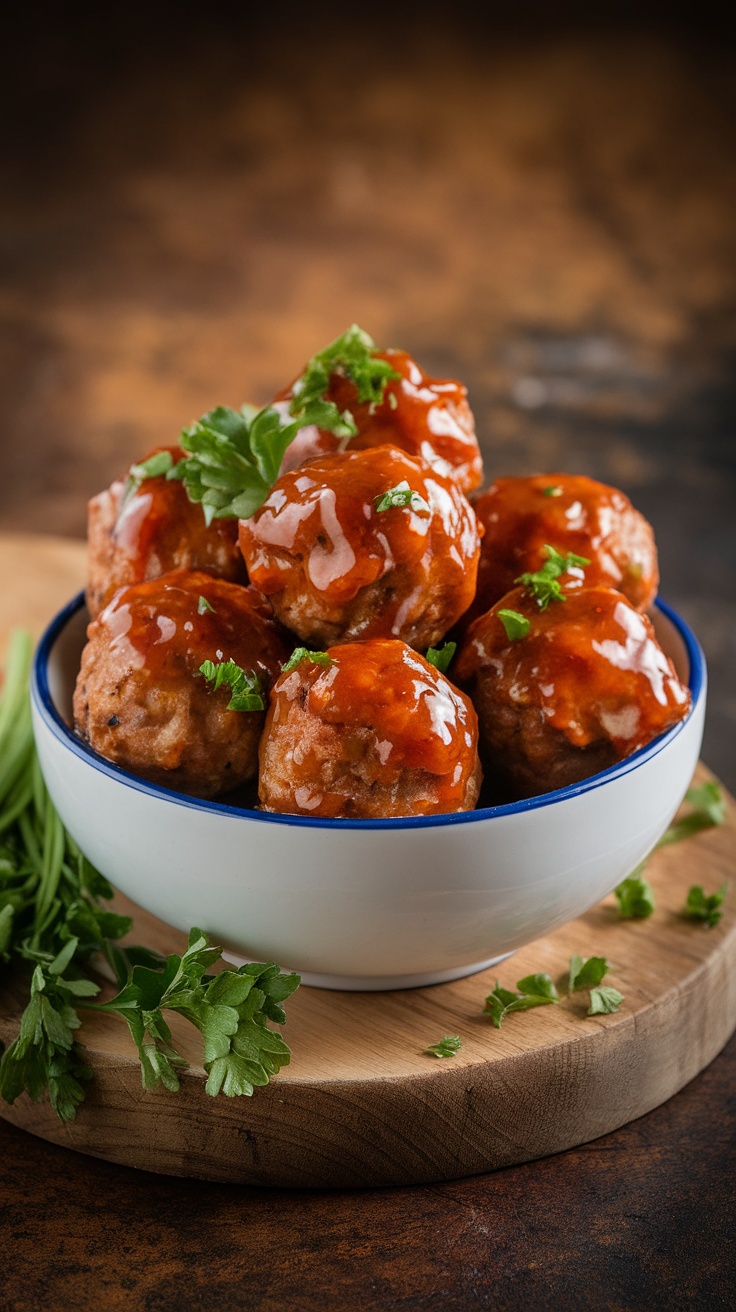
<point x="542" y="204"/>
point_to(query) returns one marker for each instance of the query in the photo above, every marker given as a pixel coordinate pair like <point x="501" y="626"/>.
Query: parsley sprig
<point x="352" y="354"/>
<point x="54" y="922"/>
<point x="543" y="584"/>
<point x="233" y="457"/>
<point x="244" y="685"/>
<point x="604" y="999"/>
<point x="532" y="991"/>
<point x="447" y="1046"/>
<point x="705" y="907"/>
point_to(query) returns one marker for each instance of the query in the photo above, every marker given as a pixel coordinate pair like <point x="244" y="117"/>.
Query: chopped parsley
<point x="300" y="654"/>
<point x="203" y="606"/>
<point x="703" y="906"/>
<point x="543" y="584"/>
<point x="586" y="974"/>
<point x="441" y="657"/>
<point x="352" y="354"/>
<point x="517" y="626"/>
<point x="554" y="491"/>
<point x="448" y="1046"/>
<point x="709" y="810"/>
<point x="635" y="896"/>
<point x="245" y="686"/>
<point x="401" y="496"/>
<point x="604" y="1001"/>
<point x="533" y="991"/>
<point x="160" y="463"/>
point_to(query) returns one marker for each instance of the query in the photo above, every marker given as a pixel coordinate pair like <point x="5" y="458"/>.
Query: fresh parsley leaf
<point x="709" y="809"/>
<point x="703" y="906"/>
<point x="441" y="657"/>
<point x="635" y="896"/>
<point x="159" y="464"/>
<point x="300" y="654"/>
<point x="245" y="686"/>
<point x="604" y="1000"/>
<point x="502" y="1002"/>
<point x="352" y="354"/>
<point x="203" y="606"/>
<point x="448" y="1046"/>
<point x="553" y="491"/>
<point x="402" y="497"/>
<point x="543" y="583"/>
<point x="517" y="626"/>
<point x="586" y="974"/>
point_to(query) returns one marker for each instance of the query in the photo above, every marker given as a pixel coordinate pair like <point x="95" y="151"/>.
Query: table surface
<point x="543" y="210"/>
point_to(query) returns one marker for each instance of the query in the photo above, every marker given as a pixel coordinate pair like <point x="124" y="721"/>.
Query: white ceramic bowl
<point x="363" y="904"/>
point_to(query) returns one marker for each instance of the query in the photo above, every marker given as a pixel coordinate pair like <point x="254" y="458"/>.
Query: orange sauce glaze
<point x="160" y="521"/>
<point x="591" y="664"/>
<point x="426" y="417"/>
<point x="418" y="720"/>
<point x="156" y="626"/>
<point x="587" y="518"/>
<point x="319" y="530"/>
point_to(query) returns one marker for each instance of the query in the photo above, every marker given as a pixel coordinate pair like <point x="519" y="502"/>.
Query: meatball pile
<point x="297" y="633"/>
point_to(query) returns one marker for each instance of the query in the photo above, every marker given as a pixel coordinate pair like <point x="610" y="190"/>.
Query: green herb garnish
<point x="353" y="355"/>
<point x="233" y="457"/>
<point x="554" y="491"/>
<point x="533" y="991"/>
<point x="517" y="626"/>
<point x="586" y="974"/>
<point x="703" y="906"/>
<point x="53" y="921"/>
<point x="203" y="606"/>
<point x="604" y="1001"/>
<point x="709" y="809"/>
<point x="300" y="654"/>
<point x="448" y="1046"/>
<point x="402" y="497"/>
<point x="441" y="657"/>
<point x="635" y="896"/>
<point x="160" y="463"/>
<point x="543" y="584"/>
<point x="245" y="686"/>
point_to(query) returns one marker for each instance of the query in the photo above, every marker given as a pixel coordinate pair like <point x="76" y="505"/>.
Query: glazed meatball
<point x="585" y="686"/>
<point x="150" y="531"/>
<point x="374" y="731"/>
<point x="426" y="417"/>
<point x="140" y="700"/>
<point x="572" y="513"/>
<point x="336" y="568"/>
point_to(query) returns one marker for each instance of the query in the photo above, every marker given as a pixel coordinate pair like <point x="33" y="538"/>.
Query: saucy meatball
<point x="583" y="687"/>
<point x="337" y="568"/>
<point x="373" y="731"/>
<point x="140" y="700"/>
<point x="427" y="417"/>
<point x="150" y="531"/>
<point x="573" y="513"/>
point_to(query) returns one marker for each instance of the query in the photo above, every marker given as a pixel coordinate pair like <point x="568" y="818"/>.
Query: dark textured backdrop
<point x="544" y="208"/>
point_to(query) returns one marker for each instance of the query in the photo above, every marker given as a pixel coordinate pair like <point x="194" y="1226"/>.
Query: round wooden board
<point x="361" y="1102"/>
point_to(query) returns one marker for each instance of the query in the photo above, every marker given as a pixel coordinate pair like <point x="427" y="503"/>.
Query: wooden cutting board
<point x="361" y="1102"/>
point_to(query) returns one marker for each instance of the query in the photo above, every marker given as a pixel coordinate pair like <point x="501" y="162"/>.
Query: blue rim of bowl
<point x="41" y="695"/>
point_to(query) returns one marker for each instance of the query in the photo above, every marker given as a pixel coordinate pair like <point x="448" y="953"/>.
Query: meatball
<point x="140" y="700"/>
<point x="150" y="531"/>
<point x="572" y="513"/>
<point x="583" y="687"/>
<point x="338" y="568"/>
<point x="427" y="417"/>
<point x="373" y="731"/>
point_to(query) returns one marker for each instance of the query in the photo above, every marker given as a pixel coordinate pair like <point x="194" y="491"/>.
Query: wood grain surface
<point x="362" y="1103"/>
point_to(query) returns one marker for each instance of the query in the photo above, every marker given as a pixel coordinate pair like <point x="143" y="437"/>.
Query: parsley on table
<point x="588" y="975"/>
<point x="635" y="896"/>
<point x="708" y="810"/>
<point x="517" y="626"/>
<point x="543" y="584"/>
<point x="604" y="1001"/>
<point x="300" y="654"/>
<point x="245" y="686"/>
<point x="448" y="1046"/>
<point x="703" y="906"/>
<point x="53" y="921"/>
<point x="441" y="657"/>
<point x="533" y="991"/>
<point x="401" y="497"/>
